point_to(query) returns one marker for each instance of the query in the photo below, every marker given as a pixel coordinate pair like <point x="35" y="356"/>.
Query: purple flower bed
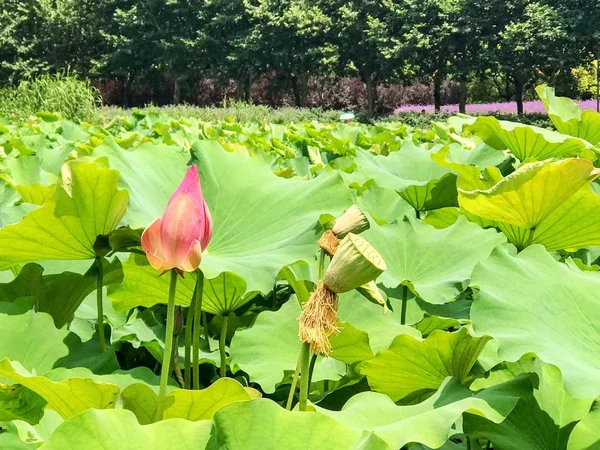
<point x="531" y="107"/>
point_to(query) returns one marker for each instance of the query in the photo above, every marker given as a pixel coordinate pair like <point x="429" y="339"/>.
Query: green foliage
<point x="488" y="333"/>
<point x="66" y="95"/>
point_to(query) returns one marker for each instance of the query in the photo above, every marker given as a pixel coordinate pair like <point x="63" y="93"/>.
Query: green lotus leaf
<point x="30" y="338"/>
<point x="350" y="345"/>
<point x="144" y="286"/>
<point x="369" y="318"/>
<point x="528" y="142"/>
<point x="412" y="366"/>
<point x="429" y="324"/>
<point x="435" y="264"/>
<point x="119" y="430"/>
<point x="531" y="303"/>
<point x="411" y="172"/>
<point x="32" y="436"/>
<point x="542" y="422"/>
<point x="274" y="226"/>
<point x="384" y="205"/>
<point x="69" y="397"/>
<point x="184" y="404"/>
<point x="568" y="118"/>
<point x="87" y="205"/>
<point x="531" y="193"/>
<point x="430" y="422"/>
<point x="58" y="294"/>
<point x="572" y="225"/>
<point x="150" y="173"/>
<point x="12" y="209"/>
<point x="270" y="348"/>
<point x="586" y="434"/>
<point x="19" y="403"/>
<point x="263" y="424"/>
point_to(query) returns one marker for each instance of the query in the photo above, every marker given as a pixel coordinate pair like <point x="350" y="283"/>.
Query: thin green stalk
<point x="196" y="338"/>
<point x="205" y="327"/>
<point x="100" y="283"/>
<point x="417" y="214"/>
<point x="304" y="385"/>
<point x="311" y="368"/>
<point x="189" y="321"/>
<point x="404" y="304"/>
<point x="488" y="445"/>
<point x="321" y="264"/>
<point x="468" y="443"/>
<point x="165" y="370"/>
<point x="290" y="399"/>
<point x="222" y="346"/>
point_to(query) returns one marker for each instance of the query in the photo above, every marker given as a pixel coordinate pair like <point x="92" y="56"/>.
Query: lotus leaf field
<point x="469" y="317"/>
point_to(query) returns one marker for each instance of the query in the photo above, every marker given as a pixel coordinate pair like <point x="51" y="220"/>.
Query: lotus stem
<point x="189" y="324"/>
<point x="205" y="328"/>
<point x="99" y="306"/>
<point x="196" y="338"/>
<point x="222" y="345"/>
<point x="404" y="305"/>
<point x="290" y="399"/>
<point x="166" y="362"/>
<point x="304" y="384"/>
<point x="311" y="367"/>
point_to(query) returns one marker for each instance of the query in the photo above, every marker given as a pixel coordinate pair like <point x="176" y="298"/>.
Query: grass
<point x="62" y="93"/>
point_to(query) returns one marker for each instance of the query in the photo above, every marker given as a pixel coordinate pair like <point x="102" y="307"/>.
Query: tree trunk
<point x="371" y="84"/>
<point x="437" y="92"/>
<point x="176" y="92"/>
<point x="300" y="87"/>
<point x="462" y="98"/>
<point x="519" y="87"/>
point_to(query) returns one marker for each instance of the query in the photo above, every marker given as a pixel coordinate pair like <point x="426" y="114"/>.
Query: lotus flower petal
<point x="178" y="239"/>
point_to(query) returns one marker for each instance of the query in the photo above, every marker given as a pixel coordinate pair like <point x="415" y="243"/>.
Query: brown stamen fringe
<point x="318" y="319"/>
<point x="329" y="242"/>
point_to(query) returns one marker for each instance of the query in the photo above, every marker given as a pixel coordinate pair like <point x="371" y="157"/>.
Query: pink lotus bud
<point x="176" y="241"/>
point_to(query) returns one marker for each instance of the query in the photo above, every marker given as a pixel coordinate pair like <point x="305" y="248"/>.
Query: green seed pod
<point x="352" y="221"/>
<point x="371" y="292"/>
<point x="355" y="263"/>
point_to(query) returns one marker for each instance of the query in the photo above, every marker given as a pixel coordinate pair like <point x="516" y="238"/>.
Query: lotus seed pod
<point x="352" y="221"/>
<point x="355" y="263"/>
<point x="371" y="292"/>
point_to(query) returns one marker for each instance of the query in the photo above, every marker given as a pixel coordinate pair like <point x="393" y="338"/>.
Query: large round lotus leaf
<point x="527" y="141"/>
<point x="368" y="317"/>
<point x="182" y="403"/>
<point x="87" y="204"/>
<point x="574" y="224"/>
<point x="436" y="264"/>
<point x="411" y="172"/>
<point x="568" y="118"/>
<point x="30" y="338"/>
<point x="270" y="348"/>
<point x="144" y="286"/>
<point x="412" y="366"/>
<point x="150" y="173"/>
<point x="59" y="294"/>
<point x="275" y="224"/>
<point x="530" y="303"/>
<point x="430" y="422"/>
<point x="586" y="434"/>
<point x="68" y="397"/>
<point x="541" y="422"/>
<point x="531" y="193"/>
<point x="19" y="403"/>
<point x="262" y="424"/>
<point x="119" y="430"/>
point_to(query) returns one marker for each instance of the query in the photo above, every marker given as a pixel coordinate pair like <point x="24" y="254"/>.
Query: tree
<point x="534" y="41"/>
<point x="363" y="41"/>
<point x="295" y="32"/>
